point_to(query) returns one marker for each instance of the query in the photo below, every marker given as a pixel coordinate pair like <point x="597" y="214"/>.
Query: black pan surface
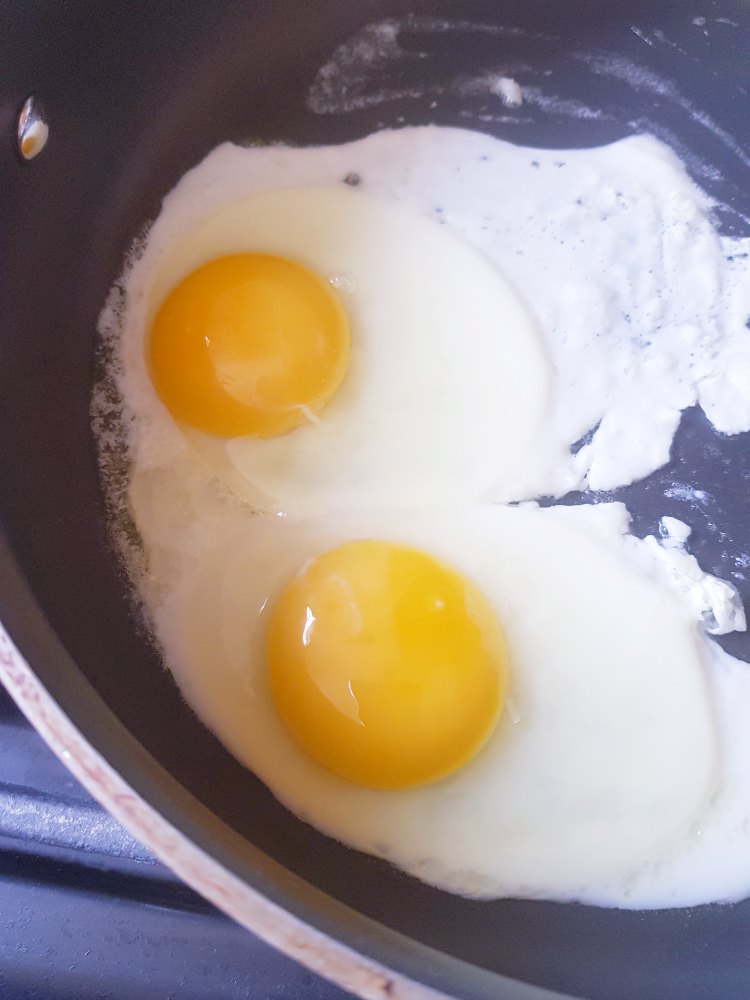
<point x="136" y="94"/>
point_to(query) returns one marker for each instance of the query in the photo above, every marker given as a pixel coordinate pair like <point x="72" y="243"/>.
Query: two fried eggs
<point x="496" y="699"/>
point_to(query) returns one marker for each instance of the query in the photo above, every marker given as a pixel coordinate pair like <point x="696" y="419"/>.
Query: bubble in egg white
<point x="343" y="283"/>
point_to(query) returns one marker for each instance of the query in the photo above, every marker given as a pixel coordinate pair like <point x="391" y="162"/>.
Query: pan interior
<point x="135" y="99"/>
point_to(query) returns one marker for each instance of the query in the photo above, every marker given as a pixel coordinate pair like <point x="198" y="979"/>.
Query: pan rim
<point x="324" y="935"/>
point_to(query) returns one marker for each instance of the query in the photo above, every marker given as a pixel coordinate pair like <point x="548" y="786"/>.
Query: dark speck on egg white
<point x="353" y="179"/>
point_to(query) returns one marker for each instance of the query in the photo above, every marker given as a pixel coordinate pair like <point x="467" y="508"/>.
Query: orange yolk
<point x="388" y="668"/>
<point x="248" y="344"/>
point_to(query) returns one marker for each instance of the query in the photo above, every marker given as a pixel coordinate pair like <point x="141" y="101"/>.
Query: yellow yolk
<point x="248" y="344"/>
<point x="387" y="667"/>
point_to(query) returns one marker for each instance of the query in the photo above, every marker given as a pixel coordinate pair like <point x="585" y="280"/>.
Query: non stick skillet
<point x="133" y="95"/>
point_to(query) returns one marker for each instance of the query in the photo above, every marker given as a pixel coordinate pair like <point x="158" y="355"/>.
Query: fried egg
<point x="322" y="349"/>
<point x="603" y="753"/>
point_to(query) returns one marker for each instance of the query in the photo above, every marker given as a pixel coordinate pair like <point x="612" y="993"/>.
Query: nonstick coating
<point x="136" y="94"/>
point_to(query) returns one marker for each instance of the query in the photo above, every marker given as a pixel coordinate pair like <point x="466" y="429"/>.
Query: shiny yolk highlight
<point x="248" y="344"/>
<point x="387" y="667"/>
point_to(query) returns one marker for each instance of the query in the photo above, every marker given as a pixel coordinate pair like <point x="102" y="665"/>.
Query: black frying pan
<point x="135" y="94"/>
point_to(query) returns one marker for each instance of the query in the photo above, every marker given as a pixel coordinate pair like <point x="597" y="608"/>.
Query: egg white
<point x="609" y="680"/>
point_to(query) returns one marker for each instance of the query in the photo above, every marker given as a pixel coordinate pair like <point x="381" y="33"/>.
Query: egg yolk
<point x="388" y="668"/>
<point x="248" y="344"/>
